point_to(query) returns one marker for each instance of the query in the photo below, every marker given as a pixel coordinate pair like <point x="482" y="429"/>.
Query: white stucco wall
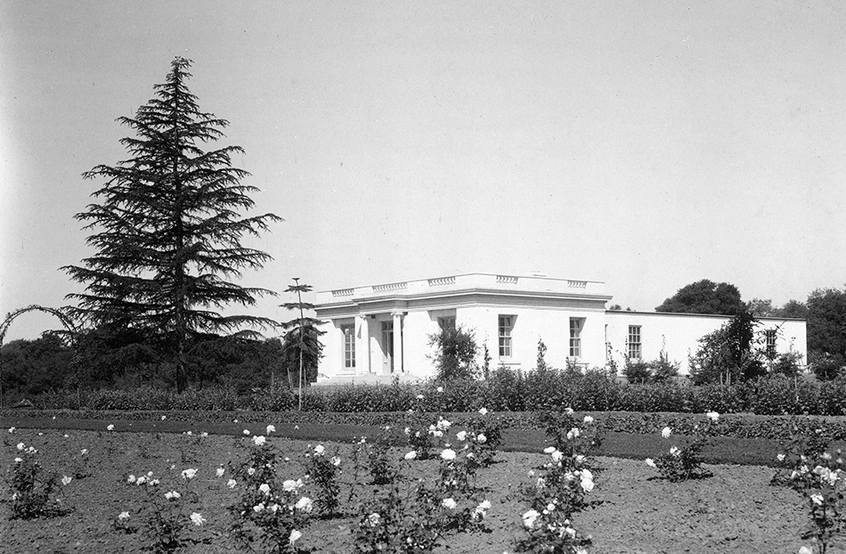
<point x="678" y="334"/>
<point x="541" y="308"/>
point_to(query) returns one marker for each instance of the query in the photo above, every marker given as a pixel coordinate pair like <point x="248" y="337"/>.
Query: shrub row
<point x="504" y="391"/>
<point x="731" y="425"/>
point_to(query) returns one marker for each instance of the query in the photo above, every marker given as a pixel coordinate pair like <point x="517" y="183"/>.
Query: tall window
<point x="576" y="325"/>
<point x="770" y="335"/>
<point x="506" y="324"/>
<point x="349" y="345"/>
<point x="635" y="351"/>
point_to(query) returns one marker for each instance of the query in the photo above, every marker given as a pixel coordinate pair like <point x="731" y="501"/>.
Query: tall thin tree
<point x="302" y="343"/>
<point x="168" y="229"/>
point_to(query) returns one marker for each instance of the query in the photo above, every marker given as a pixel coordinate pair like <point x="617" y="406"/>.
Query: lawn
<point x="632" y="511"/>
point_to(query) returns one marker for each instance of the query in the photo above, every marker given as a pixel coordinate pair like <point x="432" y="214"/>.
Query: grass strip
<point x="720" y="450"/>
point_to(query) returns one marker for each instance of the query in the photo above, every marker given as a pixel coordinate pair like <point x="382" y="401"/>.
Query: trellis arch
<point x="7" y="322"/>
<point x="66" y="321"/>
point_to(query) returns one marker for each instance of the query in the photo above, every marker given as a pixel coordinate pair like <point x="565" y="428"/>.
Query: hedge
<point x="505" y="391"/>
<point x="780" y="428"/>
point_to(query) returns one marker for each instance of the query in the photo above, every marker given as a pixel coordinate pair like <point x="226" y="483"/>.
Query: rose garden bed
<point x="631" y="509"/>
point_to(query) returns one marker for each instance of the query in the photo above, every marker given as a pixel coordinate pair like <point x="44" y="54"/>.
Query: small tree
<point x="455" y="353"/>
<point x="728" y="354"/>
<point x="301" y="346"/>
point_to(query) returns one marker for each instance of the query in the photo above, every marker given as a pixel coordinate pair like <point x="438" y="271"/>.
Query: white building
<point x="376" y="332"/>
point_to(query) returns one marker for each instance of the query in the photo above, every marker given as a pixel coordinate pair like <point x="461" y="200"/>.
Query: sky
<point x="644" y="144"/>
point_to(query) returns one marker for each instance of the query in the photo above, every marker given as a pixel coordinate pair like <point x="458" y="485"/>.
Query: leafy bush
<point x="637" y="371"/>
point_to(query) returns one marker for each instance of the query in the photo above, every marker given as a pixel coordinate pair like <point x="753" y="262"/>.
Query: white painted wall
<point x="678" y="334"/>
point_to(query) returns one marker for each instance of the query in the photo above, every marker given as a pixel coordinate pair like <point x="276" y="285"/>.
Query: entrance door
<point x="387" y="347"/>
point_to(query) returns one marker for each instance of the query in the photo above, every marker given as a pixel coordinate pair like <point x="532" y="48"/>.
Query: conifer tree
<point x="301" y="347"/>
<point x="167" y="229"/>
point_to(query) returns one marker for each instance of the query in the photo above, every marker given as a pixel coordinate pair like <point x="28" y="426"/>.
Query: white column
<point x="398" y="357"/>
<point x="362" y="345"/>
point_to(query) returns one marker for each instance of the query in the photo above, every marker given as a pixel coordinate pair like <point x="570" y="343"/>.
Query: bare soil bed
<point x="736" y="510"/>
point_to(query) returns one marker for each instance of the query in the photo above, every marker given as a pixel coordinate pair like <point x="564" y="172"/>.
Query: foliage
<point x="269" y="511"/>
<point x="826" y="321"/>
<point x="826" y="366"/>
<point x="323" y="472"/>
<point x="302" y="340"/>
<point x="728" y="354"/>
<point x="33" y="489"/>
<point x="637" y="371"/>
<point x="786" y="363"/>
<point x="167" y="232"/>
<point x="455" y="352"/>
<point x="166" y="518"/>
<point x="685" y="462"/>
<point x="704" y="297"/>
<point x="807" y="466"/>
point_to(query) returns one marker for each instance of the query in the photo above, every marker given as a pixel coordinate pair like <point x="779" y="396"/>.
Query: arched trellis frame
<point x="7" y="322"/>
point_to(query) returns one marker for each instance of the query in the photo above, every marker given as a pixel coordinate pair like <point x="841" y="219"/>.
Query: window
<point x="506" y="324"/>
<point x="770" y="335"/>
<point x="446" y="323"/>
<point x="349" y="345"/>
<point x="576" y="325"/>
<point x="635" y="351"/>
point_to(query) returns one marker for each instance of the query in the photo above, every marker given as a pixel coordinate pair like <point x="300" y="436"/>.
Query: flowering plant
<point x="684" y="462"/>
<point x="270" y="511"/>
<point x="549" y="530"/>
<point x="166" y="519"/>
<point x="32" y="488"/>
<point x="323" y="470"/>
<point x="572" y="436"/>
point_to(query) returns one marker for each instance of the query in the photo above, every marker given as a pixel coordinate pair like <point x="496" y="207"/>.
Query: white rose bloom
<point x="411" y="455"/>
<point x="172" y="495"/>
<point x="130" y="479"/>
<point x="817" y="499"/>
<point x="197" y="518"/>
<point x="336" y="461"/>
<point x="675" y="451"/>
<point x="374" y="519"/>
<point x="529" y="518"/>
<point x="557" y="455"/>
<point x="440" y="389"/>
<point x="780" y="457"/>
<point x="295" y="536"/>
<point x="666" y="432"/>
<point x="251" y="471"/>
<point x="713" y="416"/>
<point x="481" y="439"/>
<point x="588" y="419"/>
<point x="21" y="446"/>
<point x="231" y="483"/>
<point x="549" y="450"/>
<point x="448" y="454"/>
<point x="258" y="507"/>
<point x="305" y="504"/>
<point x="568" y="411"/>
<point x="461" y="435"/>
<point x="189" y="473"/>
<point x="123" y="516"/>
<point x="264" y="488"/>
<point x="66" y="480"/>
<point x="270" y="429"/>
<point x="438" y="433"/>
<point x="650" y="462"/>
<point x="483" y="411"/>
<point x="220" y="471"/>
<point x="110" y="427"/>
<point x="259" y="440"/>
<point x="319" y="450"/>
<point x="449" y="503"/>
